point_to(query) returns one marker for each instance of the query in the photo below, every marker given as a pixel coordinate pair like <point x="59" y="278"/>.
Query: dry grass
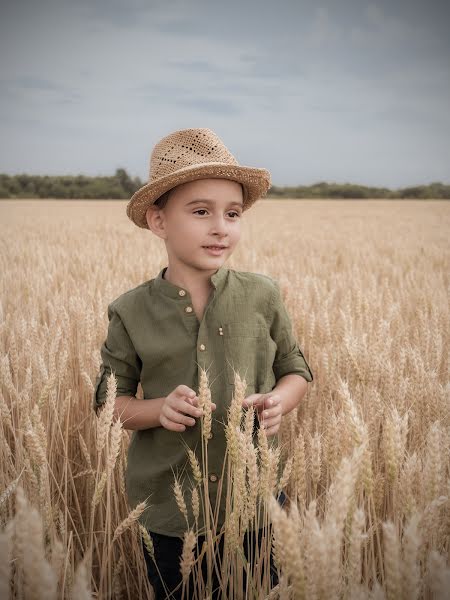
<point x="366" y="455"/>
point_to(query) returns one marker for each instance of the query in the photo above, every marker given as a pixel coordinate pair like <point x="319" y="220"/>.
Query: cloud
<point x="323" y="30"/>
<point x="196" y="66"/>
<point x="338" y="89"/>
<point x="122" y="15"/>
<point x="209" y="105"/>
<point x="23" y="89"/>
<point x="30" y="82"/>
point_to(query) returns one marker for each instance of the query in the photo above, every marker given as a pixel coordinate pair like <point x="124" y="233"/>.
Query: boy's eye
<point x="204" y="210"/>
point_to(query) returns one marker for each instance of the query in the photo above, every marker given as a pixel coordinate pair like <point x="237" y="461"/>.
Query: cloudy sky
<point x="343" y="91"/>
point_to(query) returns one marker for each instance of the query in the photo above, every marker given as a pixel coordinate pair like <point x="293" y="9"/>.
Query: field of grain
<point x="366" y="453"/>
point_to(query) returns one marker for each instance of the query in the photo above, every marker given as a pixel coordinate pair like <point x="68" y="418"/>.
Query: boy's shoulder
<point x="129" y="297"/>
<point x="253" y="277"/>
<point x="263" y="285"/>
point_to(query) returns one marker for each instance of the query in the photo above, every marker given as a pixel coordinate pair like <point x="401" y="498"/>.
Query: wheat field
<point x="366" y="453"/>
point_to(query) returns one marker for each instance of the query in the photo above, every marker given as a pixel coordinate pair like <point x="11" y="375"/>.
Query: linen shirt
<point x="154" y="337"/>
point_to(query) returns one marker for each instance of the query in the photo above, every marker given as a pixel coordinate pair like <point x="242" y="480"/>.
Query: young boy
<point x="196" y="313"/>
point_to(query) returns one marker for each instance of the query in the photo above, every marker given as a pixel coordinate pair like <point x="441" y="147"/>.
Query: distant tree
<point x="125" y="181"/>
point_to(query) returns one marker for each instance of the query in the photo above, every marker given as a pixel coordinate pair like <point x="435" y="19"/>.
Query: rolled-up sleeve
<point x="120" y="357"/>
<point x="288" y="358"/>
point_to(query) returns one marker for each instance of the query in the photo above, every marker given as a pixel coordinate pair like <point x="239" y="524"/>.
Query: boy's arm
<point x="120" y="357"/>
<point x="289" y="361"/>
<point x="138" y="414"/>
<point x="291" y="389"/>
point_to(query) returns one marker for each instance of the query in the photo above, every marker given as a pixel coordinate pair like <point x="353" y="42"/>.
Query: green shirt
<point x="155" y="337"/>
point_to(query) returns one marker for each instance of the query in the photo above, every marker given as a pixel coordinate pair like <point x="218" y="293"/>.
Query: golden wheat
<point x="365" y="455"/>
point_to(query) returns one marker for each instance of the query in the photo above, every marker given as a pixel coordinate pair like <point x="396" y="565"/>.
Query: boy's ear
<point x="147" y="214"/>
<point x="152" y="216"/>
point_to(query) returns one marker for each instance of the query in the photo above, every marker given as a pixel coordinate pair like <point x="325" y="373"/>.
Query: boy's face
<point x="199" y="213"/>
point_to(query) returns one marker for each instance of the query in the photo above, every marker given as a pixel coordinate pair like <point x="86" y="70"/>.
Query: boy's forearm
<point x="138" y="414"/>
<point x="291" y="389"/>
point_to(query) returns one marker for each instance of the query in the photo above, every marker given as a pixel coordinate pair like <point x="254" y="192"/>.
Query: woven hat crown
<point x="186" y="148"/>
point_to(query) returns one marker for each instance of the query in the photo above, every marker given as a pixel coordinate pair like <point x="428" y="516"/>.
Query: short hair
<point x="162" y="200"/>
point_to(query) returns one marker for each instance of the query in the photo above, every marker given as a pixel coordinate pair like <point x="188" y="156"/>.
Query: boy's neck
<point x="200" y="284"/>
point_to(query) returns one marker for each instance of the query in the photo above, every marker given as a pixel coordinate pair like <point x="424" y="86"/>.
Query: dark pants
<point x="167" y="555"/>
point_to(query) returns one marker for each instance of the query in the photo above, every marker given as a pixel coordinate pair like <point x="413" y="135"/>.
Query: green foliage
<point x="322" y="189"/>
<point x="122" y="186"/>
<point x="119" y="186"/>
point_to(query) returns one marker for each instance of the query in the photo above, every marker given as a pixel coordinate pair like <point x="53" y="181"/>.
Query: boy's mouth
<point x="215" y="250"/>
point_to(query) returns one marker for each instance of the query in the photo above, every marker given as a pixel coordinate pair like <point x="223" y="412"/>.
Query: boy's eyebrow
<point x="208" y="201"/>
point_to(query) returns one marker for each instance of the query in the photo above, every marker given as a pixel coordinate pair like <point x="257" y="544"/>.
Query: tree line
<point x="322" y="189"/>
<point x="122" y="186"/>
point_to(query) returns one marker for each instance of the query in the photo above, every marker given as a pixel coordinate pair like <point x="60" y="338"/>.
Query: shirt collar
<point x="170" y="289"/>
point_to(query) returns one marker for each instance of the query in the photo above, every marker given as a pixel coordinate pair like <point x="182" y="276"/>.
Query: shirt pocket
<point x="245" y="348"/>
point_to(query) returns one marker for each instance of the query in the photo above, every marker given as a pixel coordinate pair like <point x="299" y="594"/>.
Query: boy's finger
<point x="184" y="390"/>
<point x="179" y="417"/>
<point x="269" y="420"/>
<point x="253" y="400"/>
<point x="182" y="405"/>
<point x="191" y="399"/>
<point x="194" y="402"/>
<point x="272" y="399"/>
<point x="265" y="414"/>
<point x="259" y="399"/>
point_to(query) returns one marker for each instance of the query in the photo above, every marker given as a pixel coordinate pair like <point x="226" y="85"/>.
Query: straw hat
<point x="189" y="154"/>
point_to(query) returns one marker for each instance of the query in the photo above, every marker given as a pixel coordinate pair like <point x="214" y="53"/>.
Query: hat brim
<point x="256" y="183"/>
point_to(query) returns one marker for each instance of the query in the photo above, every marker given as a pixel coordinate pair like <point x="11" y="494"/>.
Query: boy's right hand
<point x="179" y="403"/>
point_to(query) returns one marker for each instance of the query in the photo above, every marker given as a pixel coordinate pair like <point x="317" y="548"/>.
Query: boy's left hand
<point x="269" y="410"/>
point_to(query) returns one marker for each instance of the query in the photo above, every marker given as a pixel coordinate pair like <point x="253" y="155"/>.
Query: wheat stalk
<point x="148" y="541"/>
<point x="116" y="439"/>
<point x="187" y="554"/>
<point x="392" y="561"/>
<point x="180" y="498"/>
<point x="39" y="579"/>
<point x="105" y="416"/>
<point x="81" y="587"/>
<point x="130" y="519"/>
<point x="204" y="396"/>
<point x="410" y="571"/>
<point x="195" y="466"/>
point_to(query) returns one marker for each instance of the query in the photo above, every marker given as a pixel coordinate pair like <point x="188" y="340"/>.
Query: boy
<point x="195" y="313"/>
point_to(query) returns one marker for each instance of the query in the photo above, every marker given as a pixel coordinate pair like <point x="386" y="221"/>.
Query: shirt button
<point x="220" y="331"/>
<point x="182" y="293"/>
<point x="213" y="477"/>
<point x="188" y="309"/>
<point x="202" y="347"/>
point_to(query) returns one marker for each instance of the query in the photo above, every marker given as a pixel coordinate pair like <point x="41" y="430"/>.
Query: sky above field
<point x="349" y="91"/>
